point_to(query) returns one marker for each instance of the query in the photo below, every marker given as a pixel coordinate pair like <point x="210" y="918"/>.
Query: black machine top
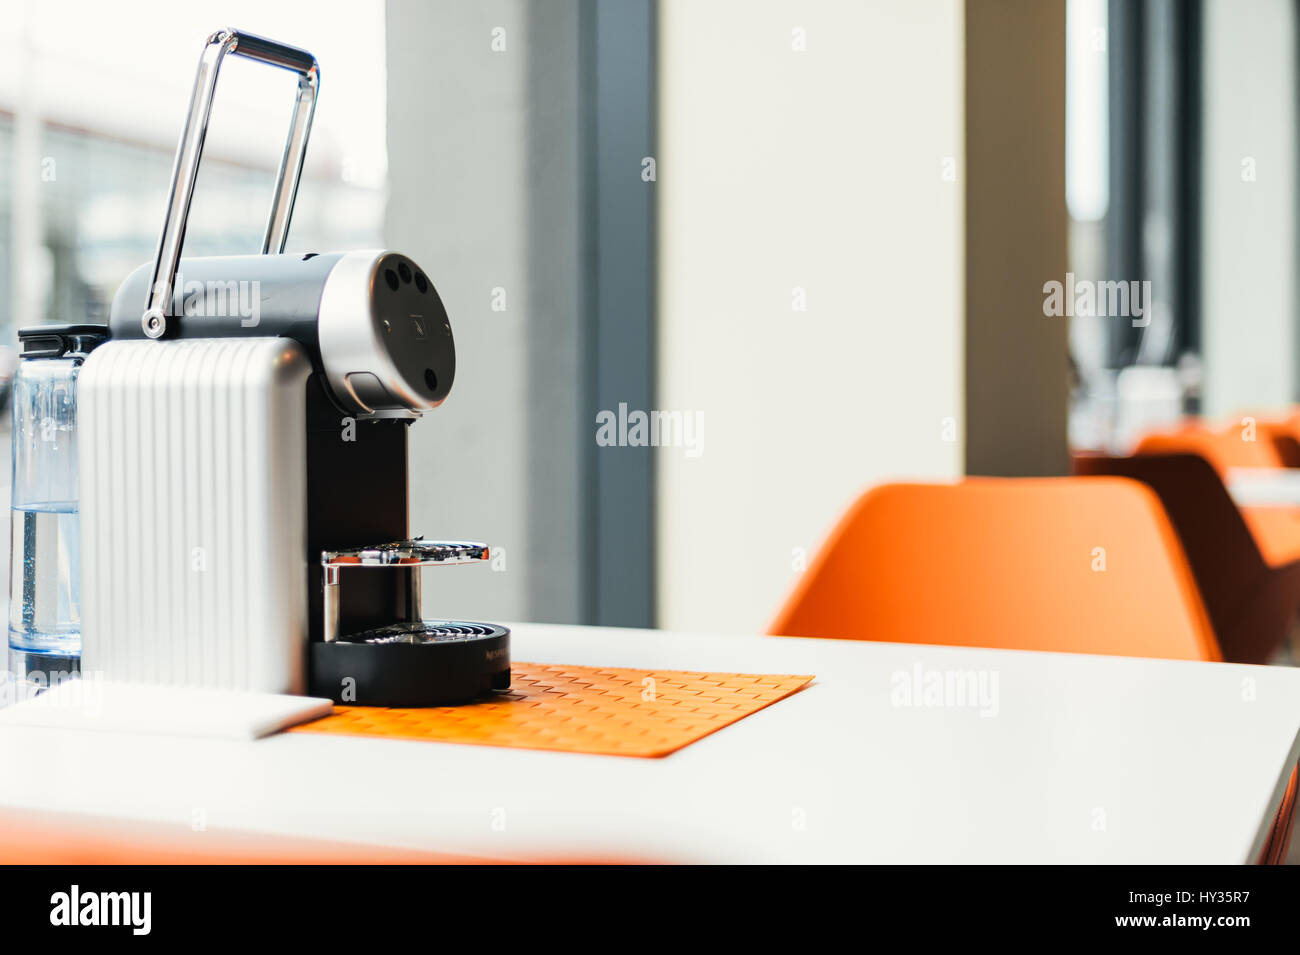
<point x="55" y="341"/>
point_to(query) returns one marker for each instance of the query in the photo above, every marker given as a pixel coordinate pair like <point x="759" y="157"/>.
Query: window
<point x="88" y="133"/>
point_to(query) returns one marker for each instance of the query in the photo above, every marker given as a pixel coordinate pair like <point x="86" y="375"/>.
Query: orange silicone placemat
<point x="576" y="709"/>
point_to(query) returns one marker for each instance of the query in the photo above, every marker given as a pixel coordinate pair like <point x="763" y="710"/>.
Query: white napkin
<point x="96" y="704"/>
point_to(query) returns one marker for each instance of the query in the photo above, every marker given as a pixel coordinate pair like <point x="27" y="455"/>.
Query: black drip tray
<point x="429" y="663"/>
<point x="426" y="631"/>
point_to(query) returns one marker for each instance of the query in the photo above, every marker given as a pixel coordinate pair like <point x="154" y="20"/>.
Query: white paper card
<point x="93" y="704"/>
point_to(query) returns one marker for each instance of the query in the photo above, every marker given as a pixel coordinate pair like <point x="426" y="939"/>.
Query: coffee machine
<point x="243" y="459"/>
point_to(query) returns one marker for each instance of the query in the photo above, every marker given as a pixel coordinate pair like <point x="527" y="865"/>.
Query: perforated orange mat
<point x="579" y="710"/>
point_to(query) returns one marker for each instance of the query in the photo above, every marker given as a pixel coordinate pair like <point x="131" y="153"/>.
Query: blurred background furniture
<point x="1251" y="600"/>
<point x="1069" y="564"/>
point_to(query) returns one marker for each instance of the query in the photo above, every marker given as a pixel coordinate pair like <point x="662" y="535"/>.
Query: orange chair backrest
<point x="1081" y="565"/>
<point x="1223" y="449"/>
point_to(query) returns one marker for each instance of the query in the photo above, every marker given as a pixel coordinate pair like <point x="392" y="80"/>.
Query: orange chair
<point x="1252" y="597"/>
<point x="1276" y="529"/>
<point x="1285" y="436"/>
<point x="1084" y="565"/>
<point x="1224" y="449"/>
<point x="1282" y="427"/>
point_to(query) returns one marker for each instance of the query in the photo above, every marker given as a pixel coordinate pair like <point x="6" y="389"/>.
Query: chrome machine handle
<point x="409" y="554"/>
<point x="190" y="150"/>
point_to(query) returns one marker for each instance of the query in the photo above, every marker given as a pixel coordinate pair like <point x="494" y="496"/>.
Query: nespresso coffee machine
<point x="243" y="460"/>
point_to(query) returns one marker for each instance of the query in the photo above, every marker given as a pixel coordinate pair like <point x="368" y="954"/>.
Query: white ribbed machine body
<point x="193" y="512"/>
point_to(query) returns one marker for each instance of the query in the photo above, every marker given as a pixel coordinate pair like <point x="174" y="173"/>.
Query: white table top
<point x="1264" y="487"/>
<point x="1087" y="759"/>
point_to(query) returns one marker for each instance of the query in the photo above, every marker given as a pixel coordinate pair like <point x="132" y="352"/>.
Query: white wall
<point x="1249" y="250"/>
<point x="819" y="169"/>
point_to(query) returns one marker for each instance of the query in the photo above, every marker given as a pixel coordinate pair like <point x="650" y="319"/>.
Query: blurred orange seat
<point x="1285" y="435"/>
<point x="1231" y="447"/>
<point x="1070" y="564"/>
<point x="1276" y="530"/>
